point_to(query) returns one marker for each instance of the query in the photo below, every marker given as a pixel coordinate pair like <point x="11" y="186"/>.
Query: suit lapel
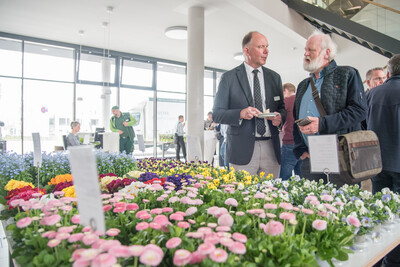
<point x="268" y="89"/>
<point x="244" y="84"/>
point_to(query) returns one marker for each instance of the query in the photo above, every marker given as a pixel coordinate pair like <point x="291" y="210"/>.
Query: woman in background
<point x="72" y="138"/>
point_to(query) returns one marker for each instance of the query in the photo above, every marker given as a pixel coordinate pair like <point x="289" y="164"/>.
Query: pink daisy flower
<point x="273" y="228"/>
<point x="24" y="222"/>
<point x="239" y="237"/>
<point x="238" y="248"/>
<point x="173" y="242"/>
<point x="182" y="257"/>
<point x="104" y="260"/>
<point x="320" y="225"/>
<point x="218" y="255"/>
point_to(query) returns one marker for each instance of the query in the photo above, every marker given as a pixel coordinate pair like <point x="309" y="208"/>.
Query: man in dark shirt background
<point x="289" y="161"/>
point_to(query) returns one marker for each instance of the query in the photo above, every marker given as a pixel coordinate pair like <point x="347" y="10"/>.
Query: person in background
<point x="342" y="97"/>
<point x="209" y="124"/>
<point x="244" y="92"/>
<point x="123" y="124"/>
<point x="383" y="118"/>
<point x="222" y="150"/>
<point x="180" y="142"/>
<point x="289" y="161"/>
<point x="72" y="138"/>
<point x="374" y="78"/>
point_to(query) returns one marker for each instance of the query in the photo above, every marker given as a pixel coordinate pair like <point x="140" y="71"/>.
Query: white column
<point x="195" y="75"/>
<point x="105" y="96"/>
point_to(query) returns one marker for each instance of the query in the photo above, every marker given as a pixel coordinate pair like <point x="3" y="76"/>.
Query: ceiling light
<point x="176" y="32"/>
<point x="238" y="56"/>
<point x="45" y="49"/>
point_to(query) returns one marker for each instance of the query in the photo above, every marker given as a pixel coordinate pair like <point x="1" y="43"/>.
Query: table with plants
<point x="169" y="213"/>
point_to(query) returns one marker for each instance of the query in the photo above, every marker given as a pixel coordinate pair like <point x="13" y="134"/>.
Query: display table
<point x="210" y="144"/>
<point x="370" y="252"/>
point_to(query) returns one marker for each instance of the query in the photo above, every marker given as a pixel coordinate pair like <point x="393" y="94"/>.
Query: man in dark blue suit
<point x="384" y="119"/>
<point x="244" y="92"/>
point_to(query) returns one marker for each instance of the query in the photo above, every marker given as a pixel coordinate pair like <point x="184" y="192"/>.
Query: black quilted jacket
<point x="342" y="95"/>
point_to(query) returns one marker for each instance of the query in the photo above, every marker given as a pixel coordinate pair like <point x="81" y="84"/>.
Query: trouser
<point x="289" y="162"/>
<point x="180" y="144"/>
<point x="262" y="160"/>
<point x="125" y="144"/>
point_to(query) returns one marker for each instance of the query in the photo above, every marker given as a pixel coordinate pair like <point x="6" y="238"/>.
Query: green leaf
<point x="48" y="259"/>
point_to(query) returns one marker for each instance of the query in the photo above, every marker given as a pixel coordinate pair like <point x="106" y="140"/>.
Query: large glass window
<point x="10" y="113"/>
<point x="137" y="73"/>
<point x="140" y="103"/>
<point x="11" y="57"/>
<point x="90" y="104"/>
<point x="169" y="107"/>
<point x="48" y="62"/>
<point x="171" y="78"/>
<point x="96" y="68"/>
<point x="47" y="110"/>
<point x="208" y="83"/>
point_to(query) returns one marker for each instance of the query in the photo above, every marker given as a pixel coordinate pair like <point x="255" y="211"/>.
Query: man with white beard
<point x="342" y="96"/>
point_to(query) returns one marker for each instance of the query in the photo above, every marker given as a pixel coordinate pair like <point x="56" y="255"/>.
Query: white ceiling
<point x="137" y="26"/>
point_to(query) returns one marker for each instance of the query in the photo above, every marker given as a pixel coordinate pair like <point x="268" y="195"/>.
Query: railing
<point x="380" y="15"/>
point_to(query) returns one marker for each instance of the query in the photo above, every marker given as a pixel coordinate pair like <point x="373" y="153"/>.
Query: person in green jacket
<point x="122" y="123"/>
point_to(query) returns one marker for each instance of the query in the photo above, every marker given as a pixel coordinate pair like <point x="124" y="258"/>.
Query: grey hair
<point x="326" y="43"/>
<point x="369" y="72"/>
<point x="74" y="123"/>
<point x="394" y="65"/>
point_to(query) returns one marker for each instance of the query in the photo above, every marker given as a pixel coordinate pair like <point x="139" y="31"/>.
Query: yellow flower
<point x="13" y="184"/>
<point x="262" y="174"/>
<point x="270" y="176"/>
<point x="69" y="191"/>
<point x="256" y="179"/>
<point x="216" y="182"/>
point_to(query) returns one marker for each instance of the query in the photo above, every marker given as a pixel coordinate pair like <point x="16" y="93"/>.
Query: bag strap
<point x="317" y="99"/>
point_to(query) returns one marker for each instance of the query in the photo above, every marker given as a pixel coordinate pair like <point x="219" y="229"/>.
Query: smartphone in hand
<point x="302" y="122"/>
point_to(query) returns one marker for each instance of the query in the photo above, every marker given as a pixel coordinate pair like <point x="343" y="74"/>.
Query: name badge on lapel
<point x="277" y="98"/>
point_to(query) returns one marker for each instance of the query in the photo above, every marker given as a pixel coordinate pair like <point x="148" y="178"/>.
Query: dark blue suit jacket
<point x="384" y="119"/>
<point x="234" y="94"/>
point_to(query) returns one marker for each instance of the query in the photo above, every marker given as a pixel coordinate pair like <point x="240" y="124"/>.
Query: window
<point x="48" y="62"/>
<point x="137" y="73"/>
<point x="10" y="113"/>
<point x="140" y="103"/>
<point x="96" y="68"/>
<point x="11" y="57"/>
<point x="47" y="109"/>
<point x="171" y="78"/>
<point x="90" y="102"/>
<point x="208" y="83"/>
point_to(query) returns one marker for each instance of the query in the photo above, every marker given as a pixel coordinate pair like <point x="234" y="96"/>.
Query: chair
<point x="65" y="141"/>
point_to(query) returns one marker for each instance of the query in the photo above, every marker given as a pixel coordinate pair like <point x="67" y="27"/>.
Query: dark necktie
<point x="260" y="124"/>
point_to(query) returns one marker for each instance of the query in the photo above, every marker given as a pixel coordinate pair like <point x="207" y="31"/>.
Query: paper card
<point x="87" y="188"/>
<point x="86" y="139"/>
<point x="37" y="151"/>
<point x="323" y="153"/>
<point x="111" y="142"/>
<point x="141" y="142"/>
<point x="194" y="148"/>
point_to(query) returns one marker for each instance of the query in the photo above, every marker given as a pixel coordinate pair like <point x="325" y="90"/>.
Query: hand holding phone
<point x="302" y="122"/>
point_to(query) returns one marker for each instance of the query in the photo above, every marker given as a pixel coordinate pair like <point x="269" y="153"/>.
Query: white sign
<point x="87" y="188"/>
<point x="194" y="148"/>
<point x="37" y="151"/>
<point x="323" y="153"/>
<point x="111" y="142"/>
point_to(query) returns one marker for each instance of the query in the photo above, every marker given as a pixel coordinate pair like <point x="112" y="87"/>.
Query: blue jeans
<point x="222" y="153"/>
<point x="289" y="162"/>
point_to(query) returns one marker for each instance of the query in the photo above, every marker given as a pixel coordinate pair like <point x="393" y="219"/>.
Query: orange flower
<point x="60" y="179"/>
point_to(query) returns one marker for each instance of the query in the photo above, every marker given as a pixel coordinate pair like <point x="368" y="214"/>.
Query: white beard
<point x="314" y="65"/>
